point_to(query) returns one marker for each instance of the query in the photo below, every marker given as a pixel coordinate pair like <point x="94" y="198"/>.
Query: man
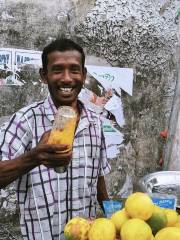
<point x="47" y="199"/>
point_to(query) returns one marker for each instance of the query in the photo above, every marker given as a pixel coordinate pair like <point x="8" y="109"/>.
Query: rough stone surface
<point x="140" y="34"/>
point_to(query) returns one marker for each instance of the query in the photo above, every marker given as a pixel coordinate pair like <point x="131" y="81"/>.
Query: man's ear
<point x="43" y="75"/>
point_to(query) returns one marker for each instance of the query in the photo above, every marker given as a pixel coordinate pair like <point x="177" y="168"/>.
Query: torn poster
<point x="92" y="101"/>
<point x="113" y="138"/>
<point x="114" y="105"/>
<point x="100" y="105"/>
<point x="113" y="77"/>
<point x="11" y="61"/>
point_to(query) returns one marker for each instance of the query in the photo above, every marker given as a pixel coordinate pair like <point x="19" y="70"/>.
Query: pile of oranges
<point x="140" y="219"/>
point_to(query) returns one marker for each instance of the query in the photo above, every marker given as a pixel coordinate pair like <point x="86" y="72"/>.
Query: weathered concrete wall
<point x="31" y="24"/>
<point x="139" y="34"/>
<point x="142" y="35"/>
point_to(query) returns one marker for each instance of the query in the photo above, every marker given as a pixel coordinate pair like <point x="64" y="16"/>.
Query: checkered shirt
<point x="42" y="193"/>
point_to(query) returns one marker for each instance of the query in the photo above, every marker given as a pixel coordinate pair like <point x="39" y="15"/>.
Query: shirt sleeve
<point x="105" y="167"/>
<point x="15" y="137"/>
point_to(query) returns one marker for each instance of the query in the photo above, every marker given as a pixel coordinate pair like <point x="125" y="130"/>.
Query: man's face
<point x="65" y="77"/>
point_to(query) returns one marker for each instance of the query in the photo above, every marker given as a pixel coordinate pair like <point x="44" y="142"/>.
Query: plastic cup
<point x="63" y="129"/>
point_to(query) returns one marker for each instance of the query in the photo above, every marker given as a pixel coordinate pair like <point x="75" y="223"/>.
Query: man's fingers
<point x="56" y="159"/>
<point x="45" y="137"/>
<point x="61" y="155"/>
<point x="51" y="148"/>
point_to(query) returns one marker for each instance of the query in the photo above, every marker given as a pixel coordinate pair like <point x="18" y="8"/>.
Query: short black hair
<point x="62" y="45"/>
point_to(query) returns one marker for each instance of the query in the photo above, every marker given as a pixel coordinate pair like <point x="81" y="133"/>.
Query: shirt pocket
<point x="89" y="143"/>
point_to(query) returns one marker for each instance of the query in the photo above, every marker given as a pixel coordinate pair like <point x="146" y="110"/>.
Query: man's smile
<point x="65" y="89"/>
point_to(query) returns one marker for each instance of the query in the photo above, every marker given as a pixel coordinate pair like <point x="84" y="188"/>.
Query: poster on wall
<point x="112" y="80"/>
<point x="27" y="57"/>
<point x="11" y="62"/>
<point x="113" y="77"/>
<point x="5" y="59"/>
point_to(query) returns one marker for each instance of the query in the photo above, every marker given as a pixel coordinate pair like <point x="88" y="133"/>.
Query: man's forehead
<point x="69" y="56"/>
<point x="64" y="54"/>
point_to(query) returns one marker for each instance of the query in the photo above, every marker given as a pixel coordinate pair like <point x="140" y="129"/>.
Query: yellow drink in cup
<point x="63" y="129"/>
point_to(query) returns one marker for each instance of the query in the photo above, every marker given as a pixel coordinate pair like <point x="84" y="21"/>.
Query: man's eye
<point x="57" y="70"/>
<point x="75" y="70"/>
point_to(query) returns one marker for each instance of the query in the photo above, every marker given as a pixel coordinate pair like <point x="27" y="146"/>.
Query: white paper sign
<point x="12" y="59"/>
<point x="27" y="57"/>
<point x="112" y="135"/>
<point x="5" y="59"/>
<point x="112" y="151"/>
<point x="114" y="105"/>
<point x="113" y="138"/>
<point x="113" y="77"/>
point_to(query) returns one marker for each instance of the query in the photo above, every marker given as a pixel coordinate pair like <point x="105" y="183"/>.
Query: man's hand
<point x="51" y="155"/>
<point x="43" y="153"/>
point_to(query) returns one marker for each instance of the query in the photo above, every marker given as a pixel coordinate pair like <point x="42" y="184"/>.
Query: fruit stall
<point x="144" y="215"/>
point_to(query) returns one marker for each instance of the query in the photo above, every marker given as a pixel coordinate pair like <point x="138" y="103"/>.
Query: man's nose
<point x="67" y="76"/>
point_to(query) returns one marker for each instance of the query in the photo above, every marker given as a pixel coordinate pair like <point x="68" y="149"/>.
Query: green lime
<point x="157" y="221"/>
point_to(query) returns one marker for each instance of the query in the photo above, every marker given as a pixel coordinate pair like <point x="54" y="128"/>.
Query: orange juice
<point x="65" y="135"/>
<point x="63" y="129"/>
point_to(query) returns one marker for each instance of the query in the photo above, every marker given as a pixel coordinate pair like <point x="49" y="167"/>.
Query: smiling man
<point x="48" y="199"/>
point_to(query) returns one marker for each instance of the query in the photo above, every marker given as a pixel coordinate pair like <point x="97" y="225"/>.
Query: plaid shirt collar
<point x="86" y="119"/>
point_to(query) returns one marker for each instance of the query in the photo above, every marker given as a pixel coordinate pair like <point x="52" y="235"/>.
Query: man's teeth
<point x="66" y="89"/>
